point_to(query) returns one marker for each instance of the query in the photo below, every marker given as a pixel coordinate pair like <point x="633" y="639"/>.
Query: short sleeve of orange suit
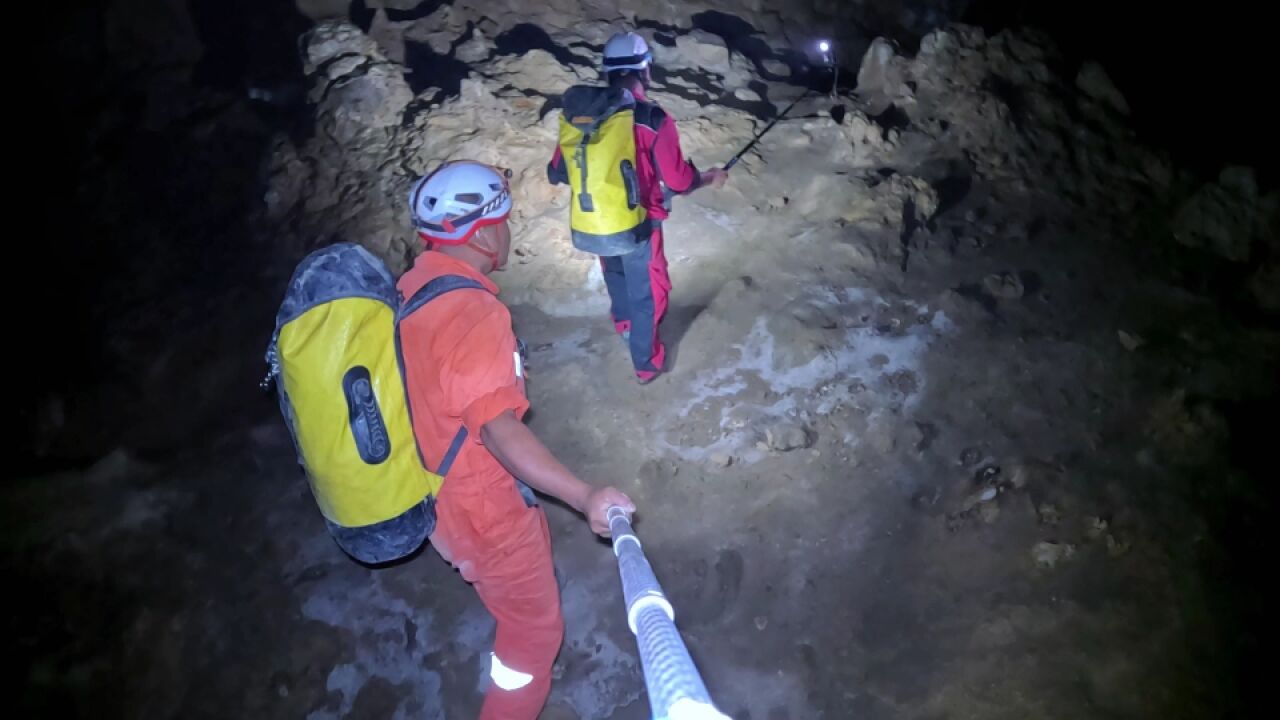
<point x="480" y="375"/>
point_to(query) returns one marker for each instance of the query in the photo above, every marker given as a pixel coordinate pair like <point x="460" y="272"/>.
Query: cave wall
<point x="165" y="115"/>
<point x="1191" y="73"/>
<point x="156" y="153"/>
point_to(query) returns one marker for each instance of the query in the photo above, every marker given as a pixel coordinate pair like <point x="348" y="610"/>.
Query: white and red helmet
<point x="626" y="51"/>
<point x="457" y="199"/>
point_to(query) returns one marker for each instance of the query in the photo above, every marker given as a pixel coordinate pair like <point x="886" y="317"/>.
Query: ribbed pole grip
<point x="676" y="690"/>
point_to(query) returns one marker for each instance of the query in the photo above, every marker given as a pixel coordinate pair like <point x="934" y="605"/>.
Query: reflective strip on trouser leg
<point x="505" y="677"/>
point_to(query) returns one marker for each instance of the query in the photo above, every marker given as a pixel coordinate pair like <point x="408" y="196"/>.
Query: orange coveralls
<point x="462" y="368"/>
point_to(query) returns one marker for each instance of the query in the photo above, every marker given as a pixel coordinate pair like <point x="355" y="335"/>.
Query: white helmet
<point x="460" y="197"/>
<point x="626" y="51"/>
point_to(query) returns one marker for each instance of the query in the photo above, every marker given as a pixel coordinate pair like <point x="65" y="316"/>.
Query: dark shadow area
<point x="709" y="91"/>
<point x="550" y="105"/>
<point x="1037" y="227"/>
<point x="878" y="176"/>
<point x="361" y="15"/>
<point x="674" y="327"/>
<point x="1186" y="71"/>
<point x="952" y="180"/>
<point x="1009" y="94"/>
<point x="527" y="36"/>
<point x="430" y="69"/>
<point x="419" y="11"/>
<point x="158" y="152"/>
<point x="893" y="118"/>
<point x="976" y="293"/>
<point x="707" y="88"/>
<point x="237" y="51"/>
<point x="668" y="32"/>
<point x="1032" y="283"/>
<point x="739" y="35"/>
<point x="909" y="227"/>
<point x="745" y="39"/>
<point x="1207" y="274"/>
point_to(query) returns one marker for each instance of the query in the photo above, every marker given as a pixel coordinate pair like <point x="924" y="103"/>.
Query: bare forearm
<point x="524" y="455"/>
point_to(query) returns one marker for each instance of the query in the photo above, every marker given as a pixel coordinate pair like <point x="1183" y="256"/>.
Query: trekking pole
<point x="734" y="160"/>
<point x="828" y="56"/>
<point x="676" y="691"/>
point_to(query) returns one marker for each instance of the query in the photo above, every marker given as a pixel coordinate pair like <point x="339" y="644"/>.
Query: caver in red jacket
<point x="638" y="282"/>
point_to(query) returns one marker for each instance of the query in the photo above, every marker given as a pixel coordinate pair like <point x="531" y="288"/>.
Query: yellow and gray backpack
<point x="598" y="149"/>
<point x="335" y="361"/>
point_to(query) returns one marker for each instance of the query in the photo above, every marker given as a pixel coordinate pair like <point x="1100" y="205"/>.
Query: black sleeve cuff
<point x="557" y="174"/>
<point x="697" y="179"/>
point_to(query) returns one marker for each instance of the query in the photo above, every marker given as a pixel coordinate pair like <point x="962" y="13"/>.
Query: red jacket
<point x="659" y="160"/>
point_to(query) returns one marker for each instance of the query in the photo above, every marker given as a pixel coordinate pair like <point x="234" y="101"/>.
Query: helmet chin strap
<point x="493" y="256"/>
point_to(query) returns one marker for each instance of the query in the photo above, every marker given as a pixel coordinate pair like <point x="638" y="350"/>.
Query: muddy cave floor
<point x="867" y="494"/>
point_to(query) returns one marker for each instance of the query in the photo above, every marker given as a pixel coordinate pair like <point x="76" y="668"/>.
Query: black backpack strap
<point x="434" y="289"/>
<point x="557" y="174"/>
<point x="452" y="453"/>
<point x="425" y="294"/>
<point x="652" y="117"/>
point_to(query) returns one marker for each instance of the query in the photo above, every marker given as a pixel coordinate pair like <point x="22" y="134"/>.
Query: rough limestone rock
<point x="441" y="43"/>
<point x="388" y="36"/>
<point x="699" y="49"/>
<point x="740" y="72"/>
<point x="955" y="92"/>
<point x="537" y="70"/>
<point x="894" y="203"/>
<point x="1049" y="555"/>
<point x="776" y="68"/>
<point x="477" y="48"/>
<point x="341" y="184"/>
<point x="354" y="86"/>
<point x="1004" y="285"/>
<point x="998" y="100"/>
<point x="595" y="32"/>
<point x="787" y="436"/>
<point x="867" y="140"/>
<point x="439" y="31"/>
<point x="1227" y="217"/>
<point x="882" y="75"/>
<point x="1093" y="81"/>
<point x="823" y="196"/>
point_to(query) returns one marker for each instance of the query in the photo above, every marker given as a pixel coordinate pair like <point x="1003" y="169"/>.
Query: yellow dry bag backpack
<point x="335" y="361"/>
<point x="598" y="148"/>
